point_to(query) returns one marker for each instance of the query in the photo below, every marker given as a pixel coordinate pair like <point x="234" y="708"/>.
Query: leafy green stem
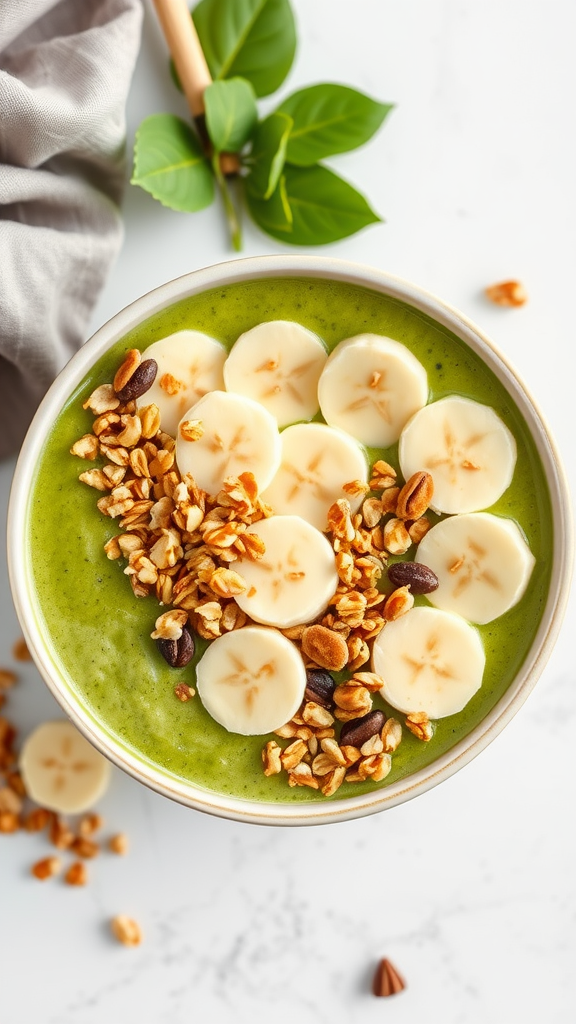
<point x="231" y="214"/>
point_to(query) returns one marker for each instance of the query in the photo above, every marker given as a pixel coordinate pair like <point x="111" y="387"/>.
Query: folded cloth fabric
<point x="65" y="70"/>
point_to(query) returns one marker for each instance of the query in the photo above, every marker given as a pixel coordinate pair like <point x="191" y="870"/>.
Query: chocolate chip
<point x="418" y="577"/>
<point x="141" y="380"/>
<point x="178" y="652"/>
<point x="320" y="687"/>
<point x="359" y="730"/>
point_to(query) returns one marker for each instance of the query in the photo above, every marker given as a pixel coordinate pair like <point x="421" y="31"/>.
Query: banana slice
<point x="295" y="578"/>
<point x="189" y="366"/>
<point x="370" y="387"/>
<point x="430" y="660"/>
<point x="238" y="436"/>
<point x="467" y="449"/>
<point x="316" y="463"/>
<point x="278" y="364"/>
<point x="482" y="562"/>
<point x="61" y="770"/>
<point x="251" y="681"/>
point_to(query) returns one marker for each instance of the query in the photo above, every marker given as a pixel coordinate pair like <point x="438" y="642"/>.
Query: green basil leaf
<point x="273" y="215"/>
<point x="252" y="39"/>
<point x="170" y="164"/>
<point x="323" y="207"/>
<point x="268" y="154"/>
<point x="231" y="114"/>
<point x="329" y="119"/>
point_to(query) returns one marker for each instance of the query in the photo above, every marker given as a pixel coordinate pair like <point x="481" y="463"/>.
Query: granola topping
<point x="179" y="543"/>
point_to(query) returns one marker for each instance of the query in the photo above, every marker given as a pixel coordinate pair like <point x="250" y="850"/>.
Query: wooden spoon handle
<point x="188" y="56"/>
<point x="193" y="71"/>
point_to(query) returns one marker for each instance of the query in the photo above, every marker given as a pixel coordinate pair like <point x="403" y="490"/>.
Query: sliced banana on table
<point x="251" y="680"/>
<point x="296" y="577"/>
<point x="430" y="660"/>
<point x="278" y="364"/>
<point x="315" y="464"/>
<point x="61" y="770"/>
<point x="370" y="387"/>
<point x="190" y="365"/>
<point x="237" y="435"/>
<point x="482" y="562"/>
<point x="468" y="450"/>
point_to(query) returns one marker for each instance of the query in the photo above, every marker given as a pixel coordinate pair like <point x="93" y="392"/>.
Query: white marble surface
<point x="470" y="888"/>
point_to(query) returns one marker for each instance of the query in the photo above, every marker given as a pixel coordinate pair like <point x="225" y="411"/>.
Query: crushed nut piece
<point x="301" y="775"/>
<point x="191" y="430"/>
<point x="397" y="540"/>
<point x="10" y="802"/>
<point x="271" y="758"/>
<point x="418" y="529"/>
<point x="60" y="834"/>
<point x="293" y="754"/>
<point x="123" y="374"/>
<point x="333" y="781"/>
<point x="118" y="844"/>
<point x="9" y="822"/>
<point x="102" y="400"/>
<point x="391" y="735"/>
<point x="325" y="647"/>
<point x="507" y="293"/>
<point x="415" y="496"/>
<point x="126" y="930"/>
<point x="90" y="824"/>
<point x="37" y="819"/>
<point x="169" y="625"/>
<point x="86" y="447"/>
<point x="399" y="602"/>
<point x="372" y="512"/>
<point x="46" y="868"/>
<point x="7" y="679"/>
<point x="184" y="692"/>
<point x="420" y="725"/>
<point x="76" y="874"/>
<point x="85" y="848"/>
<point x="21" y="651"/>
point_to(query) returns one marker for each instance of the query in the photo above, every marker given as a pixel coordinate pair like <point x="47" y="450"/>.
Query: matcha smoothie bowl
<point x="289" y="540"/>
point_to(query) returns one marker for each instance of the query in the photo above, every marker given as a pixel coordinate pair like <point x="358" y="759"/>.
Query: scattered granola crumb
<point x="507" y="293"/>
<point x="16" y="782"/>
<point x="90" y="824"/>
<point x="46" y="868"/>
<point x="184" y="692"/>
<point x="126" y="930"/>
<point x="37" y="819"/>
<point x="60" y="834"/>
<point x="10" y="802"/>
<point x="387" y="981"/>
<point x="20" y="650"/>
<point x="9" y="822"/>
<point x="76" y="874"/>
<point x="7" y="678"/>
<point x="118" y="843"/>
<point x="420" y="725"/>
<point x="85" y="848"/>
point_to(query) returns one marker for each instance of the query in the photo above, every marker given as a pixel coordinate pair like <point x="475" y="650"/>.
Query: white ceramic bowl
<point x="319" y="811"/>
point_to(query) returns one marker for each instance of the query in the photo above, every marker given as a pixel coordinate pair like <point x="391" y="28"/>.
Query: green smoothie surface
<point x="98" y="633"/>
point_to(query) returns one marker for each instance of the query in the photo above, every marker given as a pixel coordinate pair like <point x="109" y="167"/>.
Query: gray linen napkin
<point x="65" y="70"/>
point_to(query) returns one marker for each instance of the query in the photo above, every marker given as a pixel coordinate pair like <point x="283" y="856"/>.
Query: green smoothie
<point x="98" y="633"/>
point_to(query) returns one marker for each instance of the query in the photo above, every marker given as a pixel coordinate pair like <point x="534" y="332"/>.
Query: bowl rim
<point x="220" y="275"/>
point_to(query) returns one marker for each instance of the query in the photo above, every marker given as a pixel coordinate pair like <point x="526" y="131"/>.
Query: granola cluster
<point x="180" y="543"/>
<point x="316" y="758"/>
